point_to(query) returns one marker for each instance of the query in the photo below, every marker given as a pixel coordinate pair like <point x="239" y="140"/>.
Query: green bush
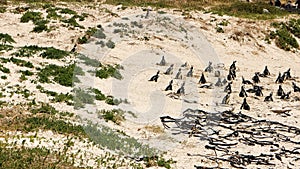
<point x="99" y="34"/>
<point x="3" y="77"/>
<point x="2" y="9"/>
<point x="249" y="10"/>
<point x="22" y="63"/>
<point x="67" y="11"/>
<point x="99" y="94"/>
<point x="23" y="157"/>
<point x="6" y="38"/>
<point x="72" y="22"/>
<point x="26" y="73"/>
<point x="40" y="26"/>
<point x="53" y="53"/>
<point x="28" y="51"/>
<point x="82" y="97"/>
<point x="107" y="71"/>
<point x="4" y="69"/>
<point x="31" y="16"/>
<point x="88" y="61"/>
<point x="115" y="115"/>
<point x="64" y="75"/>
<point x="294" y="27"/>
<point x="283" y="35"/>
<point x="5" y="47"/>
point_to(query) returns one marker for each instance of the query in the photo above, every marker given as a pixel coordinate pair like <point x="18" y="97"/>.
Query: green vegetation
<point x="122" y="144"/>
<point x="52" y="14"/>
<point x="220" y="29"/>
<point x="28" y="51"/>
<point x="37" y="19"/>
<point x="40" y="26"/>
<point x="26" y="73"/>
<point x="67" y="98"/>
<point x="4" y="69"/>
<point x="55" y="125"/>
<point x="22" y="157"/>
<point x="90" y="32"/>
<point x="158" y="161"/>
<point x="188" y="5"/>
<point x="5" y="47"/>
<point x="110" y="44"/>
<point x="45" y="109"/>
<point x="293" y="26"/>
<point x="2" y="9"/>
<point x="115" y="115"/>
<point x="72" y="22"/>
<point x="82" y="97"/>
<point x="64" y="75"/>
<point x="99" y="94"/>
<point x="48" y="52"/>
<point x="107" y="71"/>
<point x="283" y="35"/>
<point x="249" y="10"/>
<point x="22" y="63"/>
<point x="67" y="11"/>
<point x="53" y="53"/>
<point x="99" y="34"/>
<point x="3" y="77"/>
<point x="88" y="61"/>
<point x="6" y="38"/>
<point x="31" y="16"/>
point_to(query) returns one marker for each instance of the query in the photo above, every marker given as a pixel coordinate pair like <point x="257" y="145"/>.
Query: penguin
<point x="279" y="78"/>
<point x="243" y="92"/>
<point x="181" y="89"/>
<point x="285" y="95"/>
<point x="288" y="74"/>
<point x="74" y="48"/>
<point x="226" y="99"/>
<point x="169" y="71"/>
<point x="228" y="88"/>
<point x="232" y="66"/>
<point x="209" y="68"/>
<point x="245" y="105"/>
<point x="266" y="71"/>
<point x="169" y="87"/>
<point x="155" y="77"/>
<point x="190" y="73"/>
<point x="255" y="78"/>
<point x="178" y="75"/>
<point x="258" y="92"/>
<point x="219" y="82"/>
<point x="296" y="88"/>
<point x="269" y="98"/>
<point x="163" y="61"/>
<point x="202" y="79"/>
<point x="246" y="81"/>
<point x="280" y="91"/>
<point x="184" y="65"/>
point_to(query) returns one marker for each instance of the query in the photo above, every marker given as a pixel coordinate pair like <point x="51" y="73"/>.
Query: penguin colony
<point x="253" y="85"/>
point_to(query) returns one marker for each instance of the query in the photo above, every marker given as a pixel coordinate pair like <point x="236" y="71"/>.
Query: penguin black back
<point x="155" y="77"/>
<point x="202" y="79"/>
<point x="245" y="105"/>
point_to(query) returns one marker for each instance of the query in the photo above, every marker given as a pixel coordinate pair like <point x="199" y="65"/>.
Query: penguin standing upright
<point x="155" y="77"/>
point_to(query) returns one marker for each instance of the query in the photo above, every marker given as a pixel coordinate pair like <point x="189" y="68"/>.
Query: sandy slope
<point x="180" y="40"/>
